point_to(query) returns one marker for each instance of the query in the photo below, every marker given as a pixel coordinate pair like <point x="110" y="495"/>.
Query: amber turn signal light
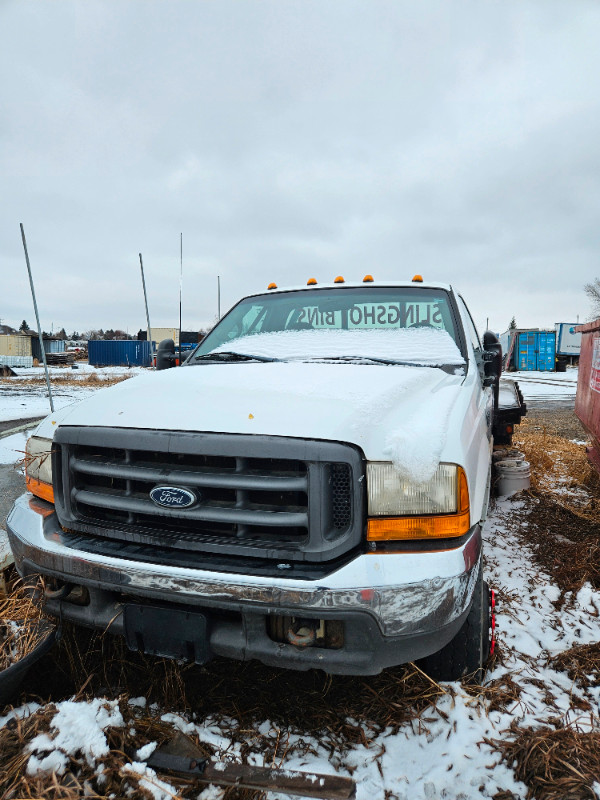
<point x="402" y="528"/>
<point x="40" y="489"/>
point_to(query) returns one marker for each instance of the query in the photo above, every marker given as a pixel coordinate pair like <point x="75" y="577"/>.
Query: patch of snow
<point x="430" y="346"/>
<point x="144" y="753"/>
<point x="56" y="761"/>
<point x="211" y="793"/>
<point x="179" y="722"/>
<point x="21" y="712"/>
<point x="79" y="728"/>
<point x="415" y="448"/>
<point x="148" y="780"/>
<point x="12" y="448"/>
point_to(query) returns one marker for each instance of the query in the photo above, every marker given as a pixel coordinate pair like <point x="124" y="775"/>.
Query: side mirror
<point x="165" y="354"/>
<point x="492" y="357"/>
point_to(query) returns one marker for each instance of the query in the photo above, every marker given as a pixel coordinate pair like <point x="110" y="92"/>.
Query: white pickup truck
<point x="308" y="489"/>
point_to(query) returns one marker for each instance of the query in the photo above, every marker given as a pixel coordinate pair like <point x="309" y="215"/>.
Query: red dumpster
<point x="587" y="401"/>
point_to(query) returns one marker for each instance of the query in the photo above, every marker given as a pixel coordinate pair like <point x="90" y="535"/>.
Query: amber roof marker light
<point x="368" y="279"/>
<point x="417" y="279"/>
<point x="339" y="279"/>
<point x="272" y="286"/>
<point x="311" y="282"/>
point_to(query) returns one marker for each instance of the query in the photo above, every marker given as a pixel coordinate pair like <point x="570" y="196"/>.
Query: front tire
<point x="465" y="656"/>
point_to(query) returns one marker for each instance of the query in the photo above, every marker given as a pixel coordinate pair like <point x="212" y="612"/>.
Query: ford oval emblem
<point x="173" y="497"/>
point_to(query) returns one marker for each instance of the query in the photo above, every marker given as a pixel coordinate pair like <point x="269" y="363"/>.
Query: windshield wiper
<point x="229" y="355"/>
<point x="387" y="361"/>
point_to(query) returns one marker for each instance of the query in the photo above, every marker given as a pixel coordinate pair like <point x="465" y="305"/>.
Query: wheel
<point x="467" y="653"/>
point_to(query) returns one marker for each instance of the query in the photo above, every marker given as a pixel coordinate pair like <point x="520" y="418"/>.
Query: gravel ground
<point x="558" y="422"/>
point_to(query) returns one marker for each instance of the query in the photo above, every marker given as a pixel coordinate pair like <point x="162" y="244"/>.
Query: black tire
<point x="465" y="656"/>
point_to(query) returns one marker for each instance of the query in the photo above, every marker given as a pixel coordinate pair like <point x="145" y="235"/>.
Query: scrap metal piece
<point x="303" y="784"/>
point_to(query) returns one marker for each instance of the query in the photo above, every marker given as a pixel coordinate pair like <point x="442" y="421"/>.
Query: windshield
<point x="393" y="324"/>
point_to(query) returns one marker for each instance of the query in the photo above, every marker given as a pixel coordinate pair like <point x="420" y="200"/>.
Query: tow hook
<point x="492" y="622"/>
<point x="302" y="633"/>
<point x="58" y="593"/>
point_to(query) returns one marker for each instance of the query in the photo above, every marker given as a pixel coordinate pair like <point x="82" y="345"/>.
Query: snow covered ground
<point x="442" y="755"/>
<point x="547" y="389"/>
<point x="21" y="401"/>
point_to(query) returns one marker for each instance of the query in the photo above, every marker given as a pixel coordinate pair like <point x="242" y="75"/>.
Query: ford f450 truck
<point x="308" y="489"/>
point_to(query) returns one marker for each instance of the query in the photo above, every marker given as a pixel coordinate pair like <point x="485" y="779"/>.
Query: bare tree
<point x="593" y="292"/>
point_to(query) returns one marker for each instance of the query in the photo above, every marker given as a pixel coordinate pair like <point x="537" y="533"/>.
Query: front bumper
<point x="395" y="607"/>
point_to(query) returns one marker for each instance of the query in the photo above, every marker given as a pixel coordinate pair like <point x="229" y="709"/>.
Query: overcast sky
<point x="286" y="140"/>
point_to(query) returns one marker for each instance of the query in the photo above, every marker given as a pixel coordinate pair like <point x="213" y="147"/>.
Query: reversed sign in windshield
<point x="371" y="315"/>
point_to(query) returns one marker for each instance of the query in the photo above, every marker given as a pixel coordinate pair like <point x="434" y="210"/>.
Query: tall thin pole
<point x="180" y="288"/>
<point x="146" y="303"/>
<point x="37" y="316"/>
<point x="218" y="297"/>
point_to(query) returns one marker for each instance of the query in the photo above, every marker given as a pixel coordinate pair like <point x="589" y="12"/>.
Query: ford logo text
<point x="173" y="497"/>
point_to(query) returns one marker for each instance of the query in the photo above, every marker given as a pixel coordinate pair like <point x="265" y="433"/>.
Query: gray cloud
<point x="292" y="139"/>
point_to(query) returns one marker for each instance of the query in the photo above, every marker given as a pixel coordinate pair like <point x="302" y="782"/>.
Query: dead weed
<point x="554" y="764"/>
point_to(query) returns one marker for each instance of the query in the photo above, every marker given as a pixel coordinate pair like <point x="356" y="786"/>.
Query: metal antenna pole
<point x="180" y="288"/>
<point x="218" y="297"/>
<point x="37" y="316"/>
<point x="146" y="303"/>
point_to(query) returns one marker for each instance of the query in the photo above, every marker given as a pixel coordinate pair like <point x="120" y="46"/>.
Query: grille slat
<point x="184" y="477"/>
<point x="243" y="516"/>
<point x="262" y="496"/>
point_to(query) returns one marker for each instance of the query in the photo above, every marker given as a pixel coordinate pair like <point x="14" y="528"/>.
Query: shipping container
<point x="158" y="334"/>
<point x="119" y="353"/>
<point x="50" y="346"/>
<point x="587" y="400"/>
<point x="568" y="340"/>
<point x="535" y="351"/>
<point x="15" y="345"/>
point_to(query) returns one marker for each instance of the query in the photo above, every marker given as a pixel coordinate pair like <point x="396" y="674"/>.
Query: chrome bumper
<point x="407" y="594"/>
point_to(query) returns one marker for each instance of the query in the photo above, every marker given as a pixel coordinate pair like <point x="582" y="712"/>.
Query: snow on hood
<point x="431" y="346"/>
<point x="375" y="407"/>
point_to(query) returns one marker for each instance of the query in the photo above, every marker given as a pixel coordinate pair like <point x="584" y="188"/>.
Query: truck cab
<point x="308" y="489"/>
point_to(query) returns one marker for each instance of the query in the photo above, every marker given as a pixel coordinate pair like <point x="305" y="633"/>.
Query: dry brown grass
<point x="80" y="779"/>
<point x="85" y="379"/>
<point x="561" y="764"/>
<point x="20" y="629"/>
<point x="561" y="522"/>
<point x="560" y="471"/>
<point x="581" y="663"/>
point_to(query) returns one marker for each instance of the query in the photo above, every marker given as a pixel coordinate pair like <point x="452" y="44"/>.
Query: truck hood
<point x="392" y="413"/>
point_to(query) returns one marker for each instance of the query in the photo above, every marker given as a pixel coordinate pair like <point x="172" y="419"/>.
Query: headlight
<point x="38" y="467"/>
<point x="401" y="509"/>
<point x="391" y="494"/>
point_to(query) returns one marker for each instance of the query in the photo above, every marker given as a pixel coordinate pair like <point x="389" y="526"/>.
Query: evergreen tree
<point x="512" y="325"/>
<point x="24" y="326"/>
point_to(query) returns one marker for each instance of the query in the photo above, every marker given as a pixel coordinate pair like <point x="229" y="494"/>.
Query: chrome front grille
<point x="261" y="496"/>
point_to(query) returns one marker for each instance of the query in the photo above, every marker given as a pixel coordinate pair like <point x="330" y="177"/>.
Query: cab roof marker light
<point x="311" y="282"/>
<point x="417" y="279"/>
<point x="272" y="286"/>
<point x="368" y="279"/>
<point x="339" y="279"/>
